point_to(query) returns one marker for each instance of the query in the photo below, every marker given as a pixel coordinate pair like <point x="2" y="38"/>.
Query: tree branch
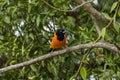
<point x="74" y="9"/>
<point x="97" y="29"/>
<point x="92" y="11"/>
<point x="106" y="45"/>
<point x="96" y="26"/>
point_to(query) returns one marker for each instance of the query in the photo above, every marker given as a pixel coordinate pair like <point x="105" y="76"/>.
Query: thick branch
<point x="106" y="45"/>
<point x="92" y="11"/>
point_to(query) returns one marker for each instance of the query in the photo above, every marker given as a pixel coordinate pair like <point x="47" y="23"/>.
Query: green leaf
<point x="13" y="11"/>
<point x="72" y="77"/>
<point x="106" y="16"/>
<point x="83" y="73"/>
<point x="69" y="21"/>
<point x="7" y="19"/>
<point x="1" y="37"/>
<point x="38" y="20"/>
<point x="86" y="62"/>
<point x="12" y="62"/>
<point x="118" y="12"/>
<point x="33" y="68"/>
<point x="31" y="36"/>
<point x="31" y="78"/>
<point x="23" y="49"/>
<point x="103" y="32"/>
<point x="29" y="8"/>
<point x="114" y="5"/>
<point x="116" y="26"/>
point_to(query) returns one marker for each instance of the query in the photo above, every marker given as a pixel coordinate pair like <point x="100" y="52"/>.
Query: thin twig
<point x="81" y="5"/>
<point x="66" y="10"/>
<point x="110" y="22"/>
<point x="81" y="64"/>
<point x="96" y="25"/>
<point x="97" y="29"/>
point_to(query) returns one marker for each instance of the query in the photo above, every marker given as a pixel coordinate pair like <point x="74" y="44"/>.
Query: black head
<point x="60" y="34"/>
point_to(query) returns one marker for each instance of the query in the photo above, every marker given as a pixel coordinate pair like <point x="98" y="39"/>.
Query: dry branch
<point x="106" y="45"/>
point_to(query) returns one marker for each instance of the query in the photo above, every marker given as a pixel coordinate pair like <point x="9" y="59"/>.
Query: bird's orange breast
<point x="56" y="43"/>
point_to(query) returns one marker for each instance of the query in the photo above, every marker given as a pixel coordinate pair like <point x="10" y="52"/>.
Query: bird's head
<point x="60" y="32"/>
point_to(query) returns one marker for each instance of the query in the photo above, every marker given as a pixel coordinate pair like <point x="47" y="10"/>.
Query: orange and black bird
<point x="58" y="40"/>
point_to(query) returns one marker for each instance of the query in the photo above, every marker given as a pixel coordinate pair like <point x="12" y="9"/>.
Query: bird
<point x="58" y="40"/>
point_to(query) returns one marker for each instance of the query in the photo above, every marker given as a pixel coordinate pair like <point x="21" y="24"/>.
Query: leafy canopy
<point x="27" y="25"/>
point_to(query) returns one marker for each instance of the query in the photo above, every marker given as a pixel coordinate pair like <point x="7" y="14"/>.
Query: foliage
<point x="27" y="25"/>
